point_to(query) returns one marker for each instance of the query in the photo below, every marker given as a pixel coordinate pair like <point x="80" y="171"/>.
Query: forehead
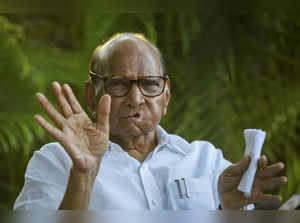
<point x="133" y="58"/>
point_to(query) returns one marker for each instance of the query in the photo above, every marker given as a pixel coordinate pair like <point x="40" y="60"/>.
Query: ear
<point x="90" y="96"/>
<point x="167" y="97"/>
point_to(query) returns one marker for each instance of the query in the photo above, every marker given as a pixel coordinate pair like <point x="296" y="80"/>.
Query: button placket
<point x="151" y="191"/>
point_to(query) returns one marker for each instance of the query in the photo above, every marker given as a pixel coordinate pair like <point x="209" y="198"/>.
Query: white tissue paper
<point x="254" y="141"/>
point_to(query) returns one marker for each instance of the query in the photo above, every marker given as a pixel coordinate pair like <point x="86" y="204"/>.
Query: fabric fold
<point x="254" y="141"/>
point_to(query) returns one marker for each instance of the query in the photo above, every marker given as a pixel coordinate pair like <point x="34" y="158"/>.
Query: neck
<point x="137" y="146"/>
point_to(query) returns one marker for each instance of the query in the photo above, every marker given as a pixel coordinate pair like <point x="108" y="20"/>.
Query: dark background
<point x="228" y="72"/>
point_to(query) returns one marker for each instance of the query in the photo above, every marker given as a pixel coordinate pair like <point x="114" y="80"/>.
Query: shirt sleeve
<point x="46" y="178"/>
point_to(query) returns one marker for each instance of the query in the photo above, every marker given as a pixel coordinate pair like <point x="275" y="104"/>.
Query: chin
<point x="133" y="131"/>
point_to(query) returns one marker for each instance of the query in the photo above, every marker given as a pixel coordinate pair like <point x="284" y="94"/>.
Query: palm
<point x="83" y="140"/>
<point x="82" y="137"/>
<point x="237" y="199"/>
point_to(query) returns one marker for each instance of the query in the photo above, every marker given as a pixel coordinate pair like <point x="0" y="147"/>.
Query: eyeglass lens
<point x="150" y="86"/>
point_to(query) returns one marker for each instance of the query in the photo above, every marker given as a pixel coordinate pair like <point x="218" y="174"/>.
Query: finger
<point x="273" y="183"/>
<point x="271" y="170"/>
<point x="268" y="198"/>
<point x="76" y="107"/>
<point x="262" y="162"/>
<point x="61" y="100"/>
<point x="103" y="112"/>
<point x="53" y="114"/>
<point x="238" y="168"/>
<point x="54" y="132"/>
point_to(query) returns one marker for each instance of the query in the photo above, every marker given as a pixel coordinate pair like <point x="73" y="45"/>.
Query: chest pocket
<point x="199" y="196"/>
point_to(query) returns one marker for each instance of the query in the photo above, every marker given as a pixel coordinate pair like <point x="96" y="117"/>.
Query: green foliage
<point x="228" y="73"/>
<point x="17" y="131"/>
<point x="26" y="67"/>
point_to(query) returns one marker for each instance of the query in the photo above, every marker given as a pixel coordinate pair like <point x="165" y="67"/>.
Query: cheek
<point x="155" y="111"/>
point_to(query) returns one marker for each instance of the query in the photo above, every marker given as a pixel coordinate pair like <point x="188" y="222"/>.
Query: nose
<point x="135" y="97"/>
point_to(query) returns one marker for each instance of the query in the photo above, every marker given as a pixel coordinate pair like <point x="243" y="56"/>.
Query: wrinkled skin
<point x="133" y="61"/>
<point x="136" y="135"/>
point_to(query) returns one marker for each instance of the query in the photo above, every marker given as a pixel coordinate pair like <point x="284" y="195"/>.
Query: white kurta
<point x="126" y="184"/>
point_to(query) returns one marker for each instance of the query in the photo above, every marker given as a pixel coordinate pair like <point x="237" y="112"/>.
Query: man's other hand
<point x="266" y="180"/>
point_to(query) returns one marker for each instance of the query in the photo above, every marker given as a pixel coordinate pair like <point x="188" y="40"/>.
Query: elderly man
<point x="124" y="159"/>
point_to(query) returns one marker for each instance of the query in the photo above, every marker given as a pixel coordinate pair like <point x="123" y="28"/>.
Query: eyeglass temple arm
<point x="95" y="74"/>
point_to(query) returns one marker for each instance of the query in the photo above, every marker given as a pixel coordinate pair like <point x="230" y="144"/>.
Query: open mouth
<point x="137" y="115"/>
<point x="134" y="116"/>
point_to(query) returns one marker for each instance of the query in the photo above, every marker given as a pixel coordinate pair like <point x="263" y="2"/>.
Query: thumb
<point x="103" y="112"/>
<point x="238" y="168"/>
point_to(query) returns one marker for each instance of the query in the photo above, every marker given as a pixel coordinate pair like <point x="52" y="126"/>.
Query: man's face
<point x="135" y="114"/>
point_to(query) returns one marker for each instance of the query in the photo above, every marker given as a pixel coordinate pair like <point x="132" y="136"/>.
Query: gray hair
<point x="99" y="59"/>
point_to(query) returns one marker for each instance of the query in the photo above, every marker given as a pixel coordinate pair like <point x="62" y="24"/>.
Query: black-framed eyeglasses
<point x="118" y="86"/>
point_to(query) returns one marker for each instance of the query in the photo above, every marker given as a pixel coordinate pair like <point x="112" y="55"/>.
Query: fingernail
<point x="285" y="179"/>
<point x="36" y="117"/>
<point x="67" y="86"/>
<point x="107" y="95"/>
<point x="281" y="165"/>
<point x="262" y="157"/>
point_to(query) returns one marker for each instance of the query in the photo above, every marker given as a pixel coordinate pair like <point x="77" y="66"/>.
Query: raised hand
<point x="84" y="141"/>
<point x="266" y="179"/>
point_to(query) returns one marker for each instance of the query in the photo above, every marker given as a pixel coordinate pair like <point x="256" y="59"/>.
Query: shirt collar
<point x="163" y="139"/>
<point x="114" y="147"/>
<point x="162" y="136"/>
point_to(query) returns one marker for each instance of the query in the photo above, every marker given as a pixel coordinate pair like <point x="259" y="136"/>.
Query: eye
<point x="152" y="82"/>
<point x="115" y="82"/>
